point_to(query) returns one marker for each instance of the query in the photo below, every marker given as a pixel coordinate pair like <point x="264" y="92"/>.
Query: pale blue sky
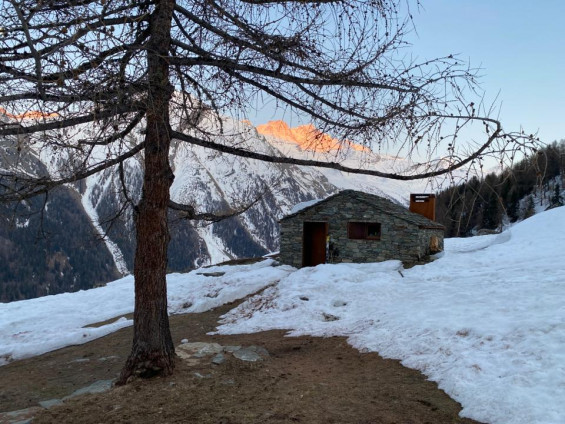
<point x="520" y="46"/>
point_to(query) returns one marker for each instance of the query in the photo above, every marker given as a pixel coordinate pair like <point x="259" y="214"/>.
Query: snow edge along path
<point x="35" y="326"/>
<point x="486" y="321"/>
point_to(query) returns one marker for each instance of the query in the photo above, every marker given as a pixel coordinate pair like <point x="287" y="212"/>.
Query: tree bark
<point x="153" y="351"/>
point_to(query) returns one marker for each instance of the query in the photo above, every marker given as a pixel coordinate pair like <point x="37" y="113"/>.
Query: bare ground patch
<point x="305" y="379"/>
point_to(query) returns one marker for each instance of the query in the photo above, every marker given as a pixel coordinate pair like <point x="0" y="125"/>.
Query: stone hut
<point x="353" y="226"/>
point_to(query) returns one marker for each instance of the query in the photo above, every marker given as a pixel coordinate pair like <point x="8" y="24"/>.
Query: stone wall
<point x="399" y="239"/>
<point x="424" y="239"/>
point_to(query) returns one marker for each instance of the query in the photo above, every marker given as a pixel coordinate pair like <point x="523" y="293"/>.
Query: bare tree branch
<point x="333" y="165"/>
<point x="57" y="124"/>
<point x="189" y="212"/>
<point x="27" y="187"/>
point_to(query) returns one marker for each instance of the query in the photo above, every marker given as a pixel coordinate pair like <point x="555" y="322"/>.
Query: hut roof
<point x="380" y="203"/>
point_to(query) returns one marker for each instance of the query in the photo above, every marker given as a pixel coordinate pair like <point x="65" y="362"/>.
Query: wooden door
<point x="314" y="243"/>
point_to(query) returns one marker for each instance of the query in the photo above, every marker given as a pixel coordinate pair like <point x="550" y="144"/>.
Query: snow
<point x="90" y="209"/>
<point x="23" y="223"/>
<point x="217" y="250"/>
<point x="485" y="320"/>
<point x="35" y="326"/>
<point x="303" y="205"/>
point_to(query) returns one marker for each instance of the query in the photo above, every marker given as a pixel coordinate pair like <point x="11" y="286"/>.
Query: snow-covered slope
<point x="34" y="326"/>
<point x="485" y="320"/>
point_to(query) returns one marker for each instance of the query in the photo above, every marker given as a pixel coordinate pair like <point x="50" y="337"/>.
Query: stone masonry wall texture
<point x="404" y="235"/>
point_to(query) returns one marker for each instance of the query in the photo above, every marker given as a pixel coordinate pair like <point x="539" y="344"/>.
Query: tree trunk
<point x="153" y="351"/>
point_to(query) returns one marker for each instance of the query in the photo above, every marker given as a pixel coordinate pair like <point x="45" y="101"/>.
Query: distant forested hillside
<point x="48" y="246"/>
<point x="486" y="203"/>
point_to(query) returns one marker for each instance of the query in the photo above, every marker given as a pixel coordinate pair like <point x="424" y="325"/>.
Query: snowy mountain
<point x="485" y="320"/>
<point x="306" y="142"/>
<point x="213" y="182"/>
<point x="209" y="181"/>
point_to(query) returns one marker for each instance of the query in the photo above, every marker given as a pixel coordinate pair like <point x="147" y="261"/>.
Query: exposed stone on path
<point x="248" y="355"/>
<point x="50" y="403"/>
<point x="219" y="359"/>
<point x="231" y="349"/>
<point x="197" y="350"/>
<point x="108" y="358"/>
<point x="197" y="374"/>
<point x="21" y="416"/>
<point x="99" y="386"/>
<point x="260" y="350"/>
<point x="25" y="416"/>
<point x="194" y="353"/>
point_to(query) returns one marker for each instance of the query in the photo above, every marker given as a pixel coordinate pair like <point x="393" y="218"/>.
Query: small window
<point x="364" y="230"/>
<point x="373" y="231"/>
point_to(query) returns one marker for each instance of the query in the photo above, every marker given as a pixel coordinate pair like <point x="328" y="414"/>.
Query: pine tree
<point x="530" y="209"/>
<point x="557" y="198"/>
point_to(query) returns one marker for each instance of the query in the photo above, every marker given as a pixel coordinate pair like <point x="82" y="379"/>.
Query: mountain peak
<point x="30" y="114"/>
<point x="307" y="137"/>
<point x="277" y="129"/>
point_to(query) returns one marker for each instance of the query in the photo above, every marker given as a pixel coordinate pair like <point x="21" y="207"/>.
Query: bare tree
<point x="93" y="72"/>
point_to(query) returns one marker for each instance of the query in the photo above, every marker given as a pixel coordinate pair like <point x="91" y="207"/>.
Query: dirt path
<point x="305" y="379"/>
